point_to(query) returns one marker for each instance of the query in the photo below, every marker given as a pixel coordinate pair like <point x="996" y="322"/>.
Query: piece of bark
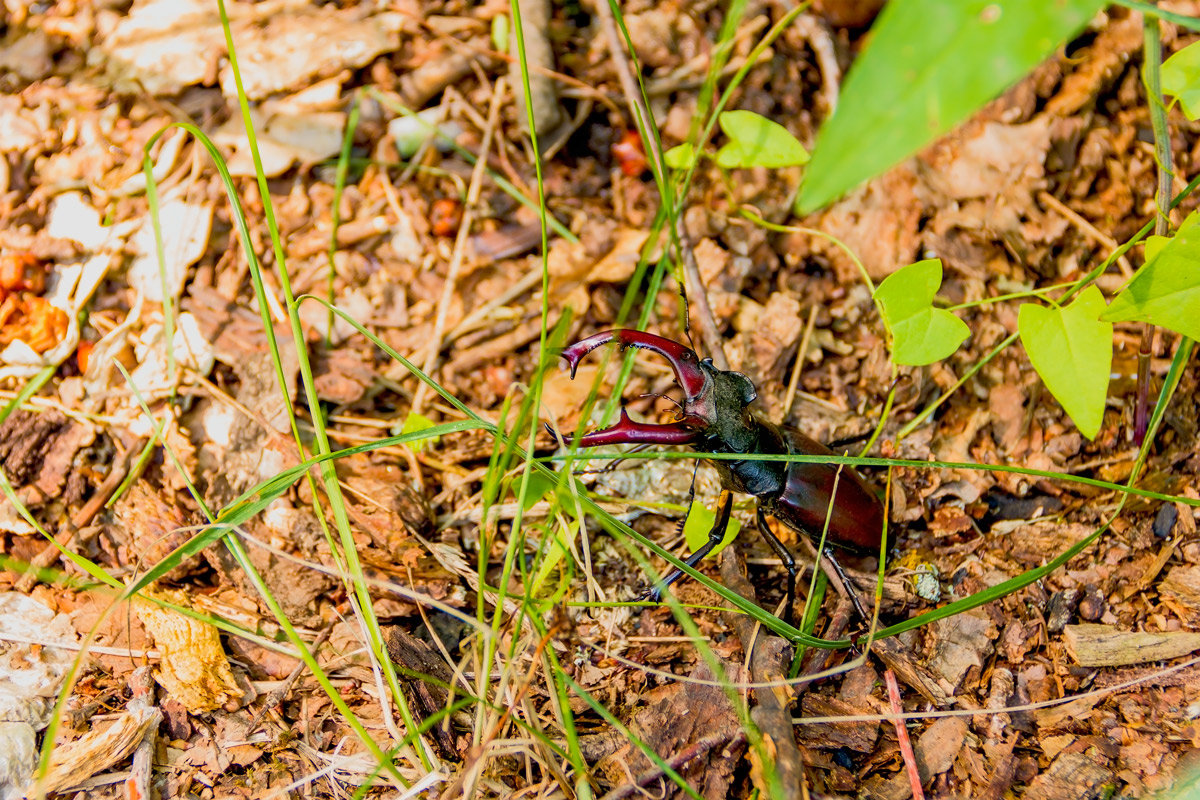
<point x="424" y="677"/>
<point x="772" y="715"/>
<point x="899" y="660"/>
<point x="547" y="113"/>
<point x="857" y="736"/>
<point x="1073" y="775"/>
<point x="1180" y="590"/>
<point x="1004" y="769"/>
<point x="106" y="745"/>
<point x="1060" y="609"/>
<point x="444" y="67"/>
<point x="37" y="453"/>
<point x="1063" y="716"/>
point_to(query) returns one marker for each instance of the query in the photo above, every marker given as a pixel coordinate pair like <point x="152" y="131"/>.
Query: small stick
<point x="1087" y="229"/>
<point x="709" y="334"/>
<point x="817" y="660"/>
<point x="766" y="659"/>
<point x="801" y="351"/>
<point x="137" y="785"/>
<point x="676" y="762"/>
<point x="276" y="697"/>
<point x="906" y="751"/>
<point x="81" y="519"/>
<point x="437" y="338"/>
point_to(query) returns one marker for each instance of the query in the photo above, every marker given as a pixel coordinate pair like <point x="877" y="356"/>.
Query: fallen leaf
<point x="193" y="669"/>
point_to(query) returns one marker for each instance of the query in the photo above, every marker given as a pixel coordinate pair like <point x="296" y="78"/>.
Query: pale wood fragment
<point x="1103" y="646"/>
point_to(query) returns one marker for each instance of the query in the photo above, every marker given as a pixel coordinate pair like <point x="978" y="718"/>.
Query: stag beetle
<point x="715" y="417"/>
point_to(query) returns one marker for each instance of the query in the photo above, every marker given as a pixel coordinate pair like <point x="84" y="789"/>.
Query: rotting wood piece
<point x="427" y="682"/>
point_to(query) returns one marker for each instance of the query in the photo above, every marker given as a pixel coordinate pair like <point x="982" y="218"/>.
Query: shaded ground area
<point x="127" y="448"/>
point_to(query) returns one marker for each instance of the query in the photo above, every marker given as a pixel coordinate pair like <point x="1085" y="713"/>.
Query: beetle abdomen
<point x="856" y="522"/>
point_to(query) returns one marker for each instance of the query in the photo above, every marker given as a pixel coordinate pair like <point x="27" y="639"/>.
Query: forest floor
<point x="445" y="583"/>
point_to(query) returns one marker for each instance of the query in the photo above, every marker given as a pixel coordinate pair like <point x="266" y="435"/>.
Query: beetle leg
<point x="715" y="536"/>
<point x="830" y="561"/>
<point x="785" y="555"/>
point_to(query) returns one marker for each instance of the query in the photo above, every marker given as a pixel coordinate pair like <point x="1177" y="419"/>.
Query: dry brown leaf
<point x="1075" y="775"/>
<point x="989" y="160"/>
<point x="878" y="221"/>
<point x="564" y="397"/>
<point x="960" y="643"/>
<point x="935" y="751"/>
<point x="1114" y="45"/>
<point x="193" y="669"/>
<point x="184" y="228"/>
<point x="165" y="45"/>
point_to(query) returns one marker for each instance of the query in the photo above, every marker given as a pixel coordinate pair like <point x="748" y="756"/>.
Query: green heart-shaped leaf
<point x="414" y="423"/>
<point x="1181" y="79"/>
<point x="681" y="156"/>
<point x="1072" y="352"/>
<point x="921" y="334"/>
<point x="699" y="522"/>
<point x="1166" y="290"/>
<point x="755" y="141"/>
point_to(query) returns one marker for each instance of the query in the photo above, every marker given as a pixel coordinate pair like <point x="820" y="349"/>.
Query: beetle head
<point x="715" y="404"/>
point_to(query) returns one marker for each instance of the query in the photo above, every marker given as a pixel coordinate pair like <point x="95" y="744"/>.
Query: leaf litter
<point x="1036" y="188"/>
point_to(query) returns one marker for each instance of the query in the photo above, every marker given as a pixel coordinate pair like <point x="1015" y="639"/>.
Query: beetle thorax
<point x="724" y="410"/>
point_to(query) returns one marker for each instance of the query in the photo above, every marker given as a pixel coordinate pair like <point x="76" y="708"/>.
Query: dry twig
<point x="767" y="664"/>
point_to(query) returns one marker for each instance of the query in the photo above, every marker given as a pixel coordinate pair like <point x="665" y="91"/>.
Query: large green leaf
<point x="928" y="66"/>
<point x="1072" y="352"/>
<point x="921" y="334"/>
<point x="1166" y="290"/>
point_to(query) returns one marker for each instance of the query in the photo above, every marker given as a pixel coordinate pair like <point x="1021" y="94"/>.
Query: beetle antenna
<point x="666" y="397"/>
<point x="837" y="444"/>
<point x="691" y="498"/>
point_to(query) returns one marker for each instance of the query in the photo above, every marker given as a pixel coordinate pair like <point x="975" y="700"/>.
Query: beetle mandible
<point x="715" y="417"/>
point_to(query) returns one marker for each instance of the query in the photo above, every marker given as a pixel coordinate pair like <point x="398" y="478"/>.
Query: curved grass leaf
<point x="929" y="65"/>
<point x="1072" y="352"/>
<point x="921" y="334"/>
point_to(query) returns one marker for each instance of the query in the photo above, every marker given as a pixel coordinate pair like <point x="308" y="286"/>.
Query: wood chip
<point x="1103" y="646"/>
